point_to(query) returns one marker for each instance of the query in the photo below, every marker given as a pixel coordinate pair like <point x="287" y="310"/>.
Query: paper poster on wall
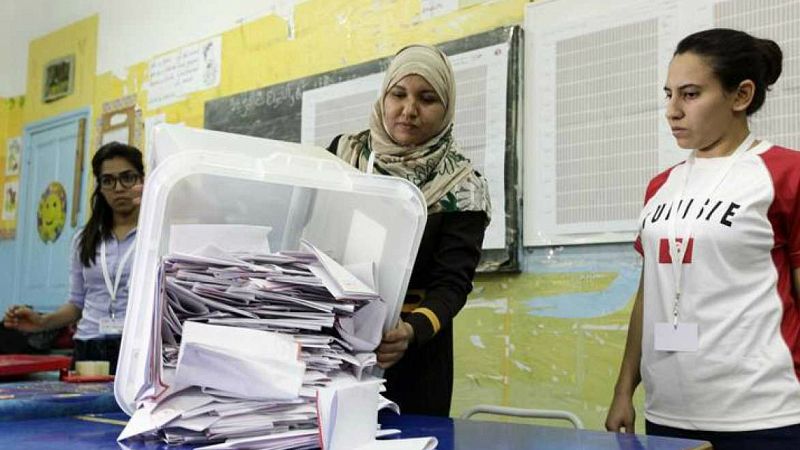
<point x="10" y="197"/>
<point x="190" y="69"/>
<point x="13" y="155"/>
<point x="338" y="109"/>
<point x="595" y="133"/>
<point x="480" y="119"/>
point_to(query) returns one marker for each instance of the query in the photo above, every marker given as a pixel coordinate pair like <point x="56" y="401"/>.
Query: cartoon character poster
<point x="10" y="195"/>
<point x="52" y="212"/>
<point x="13" y="155"/>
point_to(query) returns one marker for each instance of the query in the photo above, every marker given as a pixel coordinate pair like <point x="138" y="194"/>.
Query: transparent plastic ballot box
<point x="302" y="192"/>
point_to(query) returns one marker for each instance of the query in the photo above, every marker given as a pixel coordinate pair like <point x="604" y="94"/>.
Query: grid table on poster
<point x="595" y="127"/>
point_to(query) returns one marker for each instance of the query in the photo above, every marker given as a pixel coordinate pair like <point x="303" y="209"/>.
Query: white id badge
<point x="109" y="326"/>
<point x="682" y="338"/>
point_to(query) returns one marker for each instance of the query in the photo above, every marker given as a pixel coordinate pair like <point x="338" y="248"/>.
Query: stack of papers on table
<point x="249" y="340"/>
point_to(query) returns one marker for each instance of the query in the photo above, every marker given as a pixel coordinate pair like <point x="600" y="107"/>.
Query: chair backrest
<point x="524" y="412"/>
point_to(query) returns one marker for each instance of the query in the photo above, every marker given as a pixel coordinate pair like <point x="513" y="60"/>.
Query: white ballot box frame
<point x="300" y="191"/>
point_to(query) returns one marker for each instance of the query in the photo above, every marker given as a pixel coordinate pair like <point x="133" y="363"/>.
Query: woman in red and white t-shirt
<point x="715" y="330"/>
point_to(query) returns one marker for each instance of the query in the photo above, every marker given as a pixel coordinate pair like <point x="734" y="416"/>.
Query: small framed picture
<point x="59" y="78"/>
<point x="13" y="155"/>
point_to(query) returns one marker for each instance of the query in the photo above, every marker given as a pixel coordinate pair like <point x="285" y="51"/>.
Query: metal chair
<point x="524" y="412"/>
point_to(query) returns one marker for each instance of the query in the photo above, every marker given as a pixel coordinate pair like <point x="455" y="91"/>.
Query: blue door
<point x="47" y="216"/>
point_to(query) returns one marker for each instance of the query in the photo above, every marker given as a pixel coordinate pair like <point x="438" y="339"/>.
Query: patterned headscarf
<point x="437" y="167"/>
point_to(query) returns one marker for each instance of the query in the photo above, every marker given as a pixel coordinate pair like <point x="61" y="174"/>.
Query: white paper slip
<point x="364" y="329"/>
<point x="209" y="255"/>
<point x="683" y="338"/>
<point x="366" y="272"/>
<point x="197" y="424"/>
<point x="198" y="302"/>
<point x="278" y="440"/>
<point x="188" y="238"/>
<point x="347" y="415"/>
<point x="264" y="258"/>
<point x="177" y="404"/>
<point x="220" y="357"/>
<point x="385" y="403"/>
<point x="386" y="432"/>
<point x="220" y="408"/>
<point x="337" y="279"/>
<point x="141" y="422"/>
<point x="426" y="443"/>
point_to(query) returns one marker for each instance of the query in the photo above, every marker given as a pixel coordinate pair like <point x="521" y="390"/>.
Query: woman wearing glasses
<point x="101" y="261"/>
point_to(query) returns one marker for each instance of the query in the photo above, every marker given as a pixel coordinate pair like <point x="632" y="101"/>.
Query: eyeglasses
<point x="126" y="179"/>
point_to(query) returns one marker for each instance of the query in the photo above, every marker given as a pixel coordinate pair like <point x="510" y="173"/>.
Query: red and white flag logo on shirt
<point x="663" y="251"/>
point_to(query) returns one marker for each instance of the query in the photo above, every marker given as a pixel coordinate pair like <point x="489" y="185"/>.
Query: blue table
<point x="100" y="433"/>
<point x="52" y="398"/>
<point x="460" y="434"/>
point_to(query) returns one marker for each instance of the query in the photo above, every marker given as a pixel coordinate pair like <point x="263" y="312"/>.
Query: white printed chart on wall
<point x="595" y="128"/>
<point x="189" y="69"/>
<point x="778" y="20"/>
<point x="480" y="119"/>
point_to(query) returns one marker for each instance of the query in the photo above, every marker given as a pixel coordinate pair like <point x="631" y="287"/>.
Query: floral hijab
<point x="437" y="167"/>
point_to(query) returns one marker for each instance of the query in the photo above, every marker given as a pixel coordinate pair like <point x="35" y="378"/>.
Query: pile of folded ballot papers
<point x="266" y="351"/>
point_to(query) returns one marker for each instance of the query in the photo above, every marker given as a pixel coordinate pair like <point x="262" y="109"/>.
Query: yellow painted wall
<point x="79" y="39"/>
<point x="328" y="35"/>
<point x="11" y="110"/>
<point x="6" y="227"/>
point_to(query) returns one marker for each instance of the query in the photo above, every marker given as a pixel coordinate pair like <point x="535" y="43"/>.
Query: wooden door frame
<point x="28" y="131"/>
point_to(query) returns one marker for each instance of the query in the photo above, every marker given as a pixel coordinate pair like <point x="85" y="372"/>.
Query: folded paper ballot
<point x="364" y="329"/>
<point x="338" y="280"/>
<point x="220" y="357"/>
<point x="347" y="417"/>
<point x="347" y="414"/>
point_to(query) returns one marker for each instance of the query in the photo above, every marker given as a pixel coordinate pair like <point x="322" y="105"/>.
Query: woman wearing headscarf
<point x="410" y="136"/>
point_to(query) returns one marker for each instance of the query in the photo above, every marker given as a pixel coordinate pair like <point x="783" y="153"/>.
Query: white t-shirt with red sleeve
<point x="737" y="286"/>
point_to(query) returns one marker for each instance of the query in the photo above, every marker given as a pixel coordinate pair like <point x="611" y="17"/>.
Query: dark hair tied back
<point x="735" y="56"/>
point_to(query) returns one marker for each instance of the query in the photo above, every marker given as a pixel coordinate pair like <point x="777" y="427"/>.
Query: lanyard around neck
<point x="677" y="249"/>
<point x="113" y="289"/>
